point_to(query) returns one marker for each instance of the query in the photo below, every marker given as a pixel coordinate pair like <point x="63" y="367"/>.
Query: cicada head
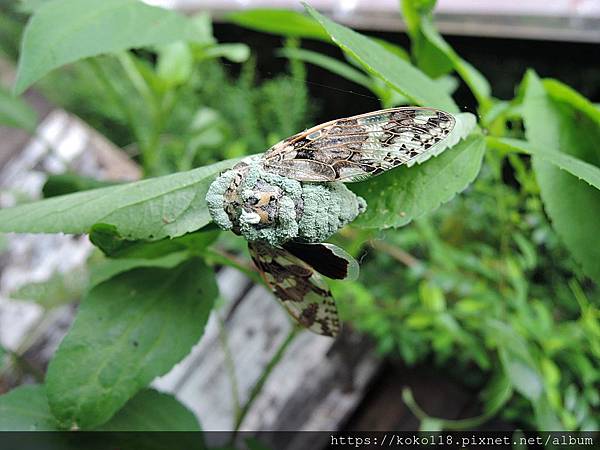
<point x="263" y="206"/>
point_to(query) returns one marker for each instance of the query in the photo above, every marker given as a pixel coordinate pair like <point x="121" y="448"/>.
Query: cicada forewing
<point x="358" y="147"/>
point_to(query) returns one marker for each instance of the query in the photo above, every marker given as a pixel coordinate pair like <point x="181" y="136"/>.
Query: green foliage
<point x="394" y="71"/>
<point x="576" y="167"/>
<point x="209" y="117"/>
<point x="59" y="289"/>
<point x="171" y="205"/>
<point x="473" y="292"/>
<point x="150" y="410"/>
<point x="279" y="21"/>
<point x="26" y="409"/>
<point x="64" y="31"/>
<point x="129" y="330"/>
<point x="433" y="54"/>
<point x="66" y="183"/>
<point x="573" y="205"/>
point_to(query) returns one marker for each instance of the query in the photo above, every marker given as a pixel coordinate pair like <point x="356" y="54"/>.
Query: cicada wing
<point x="300" y="288"/>
<point x="358" y="147"/>
<point x="327" y="259"/>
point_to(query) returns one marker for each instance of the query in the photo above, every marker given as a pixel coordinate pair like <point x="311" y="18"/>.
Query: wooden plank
<point x="316" y="385"/>
<point x="62" y="142"/>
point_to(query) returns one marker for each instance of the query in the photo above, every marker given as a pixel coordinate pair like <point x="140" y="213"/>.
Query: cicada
<point x="289" y="200"/>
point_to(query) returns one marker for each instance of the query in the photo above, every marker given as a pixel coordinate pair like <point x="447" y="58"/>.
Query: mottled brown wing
<point x="300" y="288"/>
<point x="358" y="147"/>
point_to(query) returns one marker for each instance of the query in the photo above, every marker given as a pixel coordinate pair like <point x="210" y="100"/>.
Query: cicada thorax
<point x="255" y="200"/>
<point x="251" y="198"/>
<point x="264" y="206"/>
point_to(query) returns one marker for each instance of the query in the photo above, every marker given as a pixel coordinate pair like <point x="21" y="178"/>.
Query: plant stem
<point x="448" y="424"/>
<point x="395" y="252"/>
<point x="229" y="366"/>
<point x="257" y="388"/>
<point x="148" y="147"/>
<point x="115" y="97"/>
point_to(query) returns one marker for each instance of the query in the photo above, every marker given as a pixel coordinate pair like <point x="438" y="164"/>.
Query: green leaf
<point x="545" y="417"/>
<point x="15" y="112"/>
<point x="129" y="330"/>
<point x="26" y="409"/>
<point x="496" y="393"/>
<point x="67" y="183"/>
<point x="524" y="377"/>
<point x="280" y="22"/>
<point x="403" y="194"/>
<point x="107" y="269"/>
<point x="151" y="209"/>
<point x="112" y="244"/>
<point x="395" y="71"/>
<point x="575" y="166"/>
<point x="428" y="57"/>
<point x="59" y="289"/>
<point x="175" y="63"/>
<point x="150" y="410"/>
<point x="233" y="52"/>
<point x="29" y="6"/>
<point x="572" y="204"/>
<point x="515" y="356"/>
<point x="561" y="92"/>
<point x="64" y="31"/>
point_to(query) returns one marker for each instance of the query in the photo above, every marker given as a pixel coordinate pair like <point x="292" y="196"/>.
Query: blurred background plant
<point x="483" y="289"/>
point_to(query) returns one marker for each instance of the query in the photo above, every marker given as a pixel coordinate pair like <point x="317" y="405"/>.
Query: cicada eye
<point x="252" y="201"/>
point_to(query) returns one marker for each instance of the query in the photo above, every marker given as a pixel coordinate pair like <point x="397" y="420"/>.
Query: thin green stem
<point x="447" y="424"/>
<point x="257" y="388"/>
<point x="128" y="64"/>
<point x="115" y="97"/>
<point x="150" y="146"/>
<point x="229" y="367"/>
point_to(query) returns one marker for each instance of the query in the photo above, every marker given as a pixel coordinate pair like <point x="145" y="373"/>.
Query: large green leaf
<point x="151" y="209"/>
<point x="26" y="409"/>
<point x="64" y="31"/>
<point x="561" y="92"/>
<point x="395" y="71"/>
<point x="14" y="112"/>
<point x="580" y="169"/>
<point x="278" y="21"/>
<point x="572" y="204"/>
<point x="397" y="197"/>
<point x="59" y="289"/>
<point x="288" y="23"/>
<point x="428" y="57"/>
<point x="110" y="267"/>
<point x="150" y="410"/>
<point x="517" y="361"/>
<point x="129" y="330"/>
<point x="434" y="55"/>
